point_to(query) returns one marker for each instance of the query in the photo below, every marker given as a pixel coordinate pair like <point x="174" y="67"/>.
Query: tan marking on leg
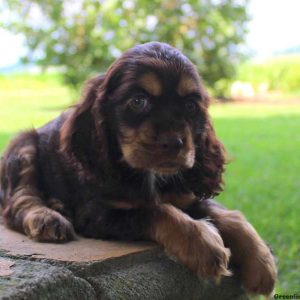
<point x="258" y="269"/>
<point x="26" y="155"/>
<point x="151" y="84"/>
<point x="181" y="201"/>
<point x="25" y="212"/>
<point x="196" y="244"/>
<point x="23" y="199"/>
<point x="44" y="224"/>
<point x="187" y="85"/>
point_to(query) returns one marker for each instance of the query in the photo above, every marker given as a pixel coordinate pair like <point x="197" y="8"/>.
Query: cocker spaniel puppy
<point x="136" y="158"/>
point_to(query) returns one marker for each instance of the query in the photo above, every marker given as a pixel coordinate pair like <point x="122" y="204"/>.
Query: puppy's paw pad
<point x="46" y="225"/>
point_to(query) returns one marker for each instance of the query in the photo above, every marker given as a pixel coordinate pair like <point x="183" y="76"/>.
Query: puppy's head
<point x="156" y="107"/>
<point x="150" y="110"/>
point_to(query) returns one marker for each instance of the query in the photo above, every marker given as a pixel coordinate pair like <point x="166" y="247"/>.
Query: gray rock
<point x="36" y="281"/>
<point x="161" y="279"/>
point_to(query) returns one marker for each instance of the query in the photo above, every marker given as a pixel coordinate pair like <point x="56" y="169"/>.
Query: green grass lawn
<point x="262" y="179"/>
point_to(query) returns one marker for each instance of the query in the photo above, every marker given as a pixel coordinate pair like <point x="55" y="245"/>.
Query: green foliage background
<point x="83" y="37"/>
<point x="281" y="73"/>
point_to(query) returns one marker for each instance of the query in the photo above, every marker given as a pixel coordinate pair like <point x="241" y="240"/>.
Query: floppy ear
<point x="82" y="135"/>
<point x="205" y="179"/>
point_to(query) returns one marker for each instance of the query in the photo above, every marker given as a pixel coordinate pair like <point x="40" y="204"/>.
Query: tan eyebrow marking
<point x="187" y="85"/>
<point x="151" y="84"/>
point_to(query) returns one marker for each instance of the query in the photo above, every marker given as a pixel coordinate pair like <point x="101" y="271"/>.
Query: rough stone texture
<point x="94" y="269"/>
<point x="161" y="278"/>
<point x="36" y="281"/>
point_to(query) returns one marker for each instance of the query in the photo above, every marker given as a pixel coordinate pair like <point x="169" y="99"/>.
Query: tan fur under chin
<point x="249" y="252"/>
<point x="196" y="244"/>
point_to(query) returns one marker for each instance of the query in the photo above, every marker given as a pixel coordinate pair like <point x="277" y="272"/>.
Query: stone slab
<point x="81" y="250"/>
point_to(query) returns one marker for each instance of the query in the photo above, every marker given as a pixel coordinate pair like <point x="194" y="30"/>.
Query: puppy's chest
<point x="141" y="191"/>
<point x="174" y="191"/>
<point x="146" y="192"/>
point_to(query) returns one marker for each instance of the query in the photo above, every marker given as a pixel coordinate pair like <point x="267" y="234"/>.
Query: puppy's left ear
<point x="205" y="179"/>
<point x="81" y="135"/>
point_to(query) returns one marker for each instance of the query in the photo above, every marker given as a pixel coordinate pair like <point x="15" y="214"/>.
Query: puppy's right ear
<point x="78" y="133"/>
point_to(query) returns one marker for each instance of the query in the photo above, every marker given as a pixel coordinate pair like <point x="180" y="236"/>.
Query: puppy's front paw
<point x="46" y="225"/>
<point x="213" y="256"/>
<point x="259" y="271"/>
<point x="200" y="248"/>
<point x="195" y="244"/>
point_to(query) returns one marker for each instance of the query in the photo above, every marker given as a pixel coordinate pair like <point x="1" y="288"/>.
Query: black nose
<point x="170" y="143"/>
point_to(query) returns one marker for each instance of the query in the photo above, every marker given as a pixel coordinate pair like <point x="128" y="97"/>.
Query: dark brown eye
<point x="139" y="103"/>
<point x="190" y="106"/>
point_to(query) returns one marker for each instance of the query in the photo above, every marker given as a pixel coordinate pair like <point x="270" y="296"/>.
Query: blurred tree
<point x="85" y="36"/>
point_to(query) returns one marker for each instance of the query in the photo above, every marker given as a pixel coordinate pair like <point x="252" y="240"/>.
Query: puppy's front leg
<point x="194" y="243"/>
<point x="249" y="252"/>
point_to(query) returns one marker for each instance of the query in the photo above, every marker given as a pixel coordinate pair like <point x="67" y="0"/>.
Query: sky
<point x="275" y="26"/>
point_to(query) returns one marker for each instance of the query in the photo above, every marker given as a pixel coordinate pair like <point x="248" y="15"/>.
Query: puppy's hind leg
<point x="23" y="206"/>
